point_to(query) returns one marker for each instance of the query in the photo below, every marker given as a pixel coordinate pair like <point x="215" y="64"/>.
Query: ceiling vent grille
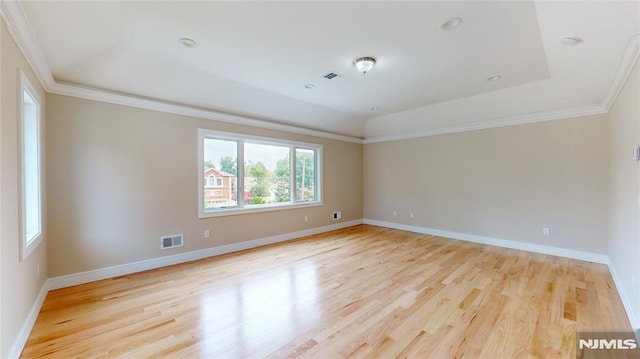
<point x="330" y="75"/>
<point x="173" y="241"/>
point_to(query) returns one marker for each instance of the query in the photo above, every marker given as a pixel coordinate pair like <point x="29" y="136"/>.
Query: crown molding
<point x="24" y="36"/>
<point x="502" y="122"/>
<point x="22" y="32"/>
<point x="623" y="70"/>
<point x="192" y="111"/>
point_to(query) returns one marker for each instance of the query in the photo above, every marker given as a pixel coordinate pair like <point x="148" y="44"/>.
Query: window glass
<point x="220" y="163"/>
<point x="305" y="174"/>
<point x="244" y="173"/>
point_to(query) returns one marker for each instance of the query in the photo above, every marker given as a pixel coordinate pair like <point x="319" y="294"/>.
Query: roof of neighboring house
<point x="217" y="173"/>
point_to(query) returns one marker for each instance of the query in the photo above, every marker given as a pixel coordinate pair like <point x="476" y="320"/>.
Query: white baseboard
<point x="109" y="272"/>
<point x="529" y="247"/>
<point x="114" y="271"/>
<point x="626" y="302"/>
<point x="25" y="331"/>
<point x="123" y="269"/>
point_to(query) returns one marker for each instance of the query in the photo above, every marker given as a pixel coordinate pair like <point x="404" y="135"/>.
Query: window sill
<point x="27" y="249"/>
<point x="257" y="209"/>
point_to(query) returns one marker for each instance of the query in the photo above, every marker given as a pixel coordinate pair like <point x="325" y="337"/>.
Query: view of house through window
<point x="220" y="173"/>
<point x="268" y="170"/>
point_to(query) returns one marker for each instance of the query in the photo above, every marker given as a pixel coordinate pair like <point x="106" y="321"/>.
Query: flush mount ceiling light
<point x="309" y="86"/>
<point x="494" y="78"/>
<point x="187" y="42"/>
<point x="451" y="23"/>
<point x="364" y="64"/>
<point x="571" y="40"/>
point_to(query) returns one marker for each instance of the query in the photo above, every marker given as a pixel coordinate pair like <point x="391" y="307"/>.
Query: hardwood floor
<point x="359" y="292"/>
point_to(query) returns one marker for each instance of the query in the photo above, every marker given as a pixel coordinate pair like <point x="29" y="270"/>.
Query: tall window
<point x="31" y="181"/>
<point x="266" y="173"/>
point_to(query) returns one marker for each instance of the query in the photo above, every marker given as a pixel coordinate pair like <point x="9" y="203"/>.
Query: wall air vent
<point x="330" y="75"/>
<point x="175" y="240"/>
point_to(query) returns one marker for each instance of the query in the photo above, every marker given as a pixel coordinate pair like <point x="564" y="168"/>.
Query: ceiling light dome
<point x="364" y="64"/>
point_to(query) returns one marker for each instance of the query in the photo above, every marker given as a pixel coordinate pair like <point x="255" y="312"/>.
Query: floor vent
<point x="175" y="240"/>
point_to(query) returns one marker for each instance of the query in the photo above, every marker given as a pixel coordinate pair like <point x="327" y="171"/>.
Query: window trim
<point x="242" y="138"/>
<point x="27" y="247"/>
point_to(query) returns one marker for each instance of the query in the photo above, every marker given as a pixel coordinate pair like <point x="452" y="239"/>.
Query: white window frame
<point x="243" y="208"/>
<point x="28" y="245"/>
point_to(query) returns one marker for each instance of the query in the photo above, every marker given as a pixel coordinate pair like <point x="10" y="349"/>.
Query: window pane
<point x="305" y="174"/>
<point x="31" y="168"/>
<point x="220" y="173"/>
<point x="265" y="168"/>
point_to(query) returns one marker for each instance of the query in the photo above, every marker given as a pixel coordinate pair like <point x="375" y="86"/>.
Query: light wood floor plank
<point x="360" y="292"/>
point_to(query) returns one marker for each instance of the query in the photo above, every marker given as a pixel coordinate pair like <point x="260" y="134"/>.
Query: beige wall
<point x="624" y="246"/>
<point x="105" y="209"/>
<point x="505" y="183"/>
<point x="20" y="285"/>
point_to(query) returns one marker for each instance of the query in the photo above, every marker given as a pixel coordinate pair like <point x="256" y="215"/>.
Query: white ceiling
<point x="254" y="58"/>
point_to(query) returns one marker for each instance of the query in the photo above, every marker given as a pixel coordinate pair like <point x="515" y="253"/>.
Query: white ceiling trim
<point x="507" y="121"/>
<point x="628" y="60"/>
<point x="23" y="34"/>
<point x="180" y="109"/>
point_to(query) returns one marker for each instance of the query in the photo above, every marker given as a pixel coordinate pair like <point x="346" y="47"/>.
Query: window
<point x="263" y="173"/>
<point x="210" y="180"/>
<point x="31" y="181"/>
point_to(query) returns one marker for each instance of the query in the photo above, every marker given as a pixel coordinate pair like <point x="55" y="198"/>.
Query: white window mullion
<point x="240" y="166"/>
<point x="292" y="173"/>
<point x="268" y="152"/>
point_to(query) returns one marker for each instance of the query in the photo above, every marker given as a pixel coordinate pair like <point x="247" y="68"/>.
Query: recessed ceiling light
<point x="571" y="40"/>
<point x="451" y="23"/>
<point x="494" y="78"/>
<point x="376" y="108"/>
<point x="309" y="86"/>
<point x="188" y="42"/>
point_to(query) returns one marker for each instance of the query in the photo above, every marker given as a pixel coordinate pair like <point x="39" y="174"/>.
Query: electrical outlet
<point x="337" y="215"/>
<point x="411" y="214"/>
<point x="546" y="231"/>
<point x="395" y="214"/>
<point x="306" y="218"/>
<point x="38" y="270"/>
<point x="206" y="234"/>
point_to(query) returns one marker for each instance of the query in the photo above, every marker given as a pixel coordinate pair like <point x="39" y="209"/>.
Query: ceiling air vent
<point x="175" y="240"/>
<point x="330" y="75"/>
